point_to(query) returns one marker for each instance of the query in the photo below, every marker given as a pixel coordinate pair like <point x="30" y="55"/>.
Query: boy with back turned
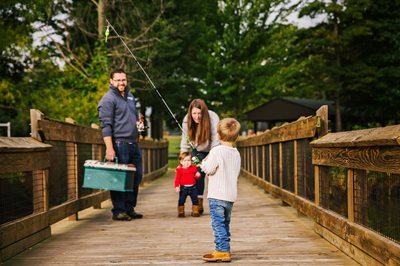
<point x="222" y="165"/>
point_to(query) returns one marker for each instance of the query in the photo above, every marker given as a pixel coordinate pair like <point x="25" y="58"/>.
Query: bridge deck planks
<point x="263" y="233"/>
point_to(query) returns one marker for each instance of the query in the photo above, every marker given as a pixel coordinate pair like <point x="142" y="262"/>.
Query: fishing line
<point x="107" y="33"/>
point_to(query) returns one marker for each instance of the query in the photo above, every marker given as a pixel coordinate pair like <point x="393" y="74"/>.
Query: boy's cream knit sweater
<point x="222" y="165"/>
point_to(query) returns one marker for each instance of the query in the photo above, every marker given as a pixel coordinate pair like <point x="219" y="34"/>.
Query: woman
<point x="200" y="128"/>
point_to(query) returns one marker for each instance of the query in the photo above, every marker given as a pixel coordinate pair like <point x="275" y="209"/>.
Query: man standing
<point x="118" y="116"/>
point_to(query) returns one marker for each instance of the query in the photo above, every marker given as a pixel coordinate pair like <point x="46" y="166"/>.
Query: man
<point x="118" y="116"/>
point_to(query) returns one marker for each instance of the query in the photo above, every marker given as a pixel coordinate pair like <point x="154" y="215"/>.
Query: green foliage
<point x="178" y="61"/>
<point x="173" y="150"/>
<point x="234" y="62"/>
<point x="358" y="63"/>
<point x="235" y="55"/>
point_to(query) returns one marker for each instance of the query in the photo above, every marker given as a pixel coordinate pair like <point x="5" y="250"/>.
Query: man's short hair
<point x="228" y="129"/>
<point x="118" y="70"/>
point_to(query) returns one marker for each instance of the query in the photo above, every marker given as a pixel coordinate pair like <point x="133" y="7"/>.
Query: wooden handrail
<point x="357" y="152"/>
<point x="34" y="155"/>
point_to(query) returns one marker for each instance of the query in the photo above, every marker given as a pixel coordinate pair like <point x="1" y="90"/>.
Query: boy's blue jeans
<point x="220" y="212"/>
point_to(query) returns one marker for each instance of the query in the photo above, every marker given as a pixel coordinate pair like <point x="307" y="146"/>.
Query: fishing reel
<point x="195" y="160"/>
<point x="141" y="126"/>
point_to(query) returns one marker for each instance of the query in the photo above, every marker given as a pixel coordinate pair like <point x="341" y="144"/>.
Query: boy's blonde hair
<point x="228" y="129"/>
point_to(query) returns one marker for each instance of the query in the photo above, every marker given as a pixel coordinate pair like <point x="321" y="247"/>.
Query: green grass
<point x="173" y="150"/>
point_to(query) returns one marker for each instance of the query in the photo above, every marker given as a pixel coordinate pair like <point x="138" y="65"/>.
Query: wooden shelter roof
<point x="288" y="109"/>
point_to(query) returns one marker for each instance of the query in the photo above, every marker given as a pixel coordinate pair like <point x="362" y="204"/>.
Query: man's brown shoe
<point x="216" y="256"/>
<point x="121" y="217"/>
<point x="134" y="215"/>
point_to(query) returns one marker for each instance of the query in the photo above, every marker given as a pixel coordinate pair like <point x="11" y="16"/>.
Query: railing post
<point x="246" y="156"/>
<point x="280" y="166"/>
<point x="263" y="162"/>
<point x="295" y="167"/>
<point x="251" y="160"/>
<point x="40" y="177"/>
<point x="40" y="190"/>
<point x="350" y="195"/>
<point x="72" y="168"/>
<point x="270" y="163"/>
<point x="148" y="160"/>
<point x="257" y="162"/>
<point x="322" y="113"/>
<point x="316" y="185"/>
<point x="96" y="155"/>
<point x="36" y="115"/>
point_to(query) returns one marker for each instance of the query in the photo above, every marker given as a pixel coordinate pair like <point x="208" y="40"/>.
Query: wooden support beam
<point x="316" y="185"/>
<point x="382" y="136"/>
<point x="72" y="170"/>
<point x="63" y="131"/>
<point x="270" y="163"/>
<point x="263" y="163"/>
<point x="36" y="115"/>
<point x="374" y="158"/>
<point x="300" y="129"/>
<point x="280" y="166"/>
<point x="350" y="195"/>
<point x="322" y="114"/>
<point x="295" y="170"/>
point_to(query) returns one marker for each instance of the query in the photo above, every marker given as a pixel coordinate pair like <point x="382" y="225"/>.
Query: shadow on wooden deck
<point x="263" y="233"/>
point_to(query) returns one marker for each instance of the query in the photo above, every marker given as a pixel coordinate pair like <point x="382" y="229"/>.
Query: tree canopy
<point x="236" y="55"/>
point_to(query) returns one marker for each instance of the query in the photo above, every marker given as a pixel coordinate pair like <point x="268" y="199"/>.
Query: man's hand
<point x="110" y="154"/>
<point x="177" y="189"/>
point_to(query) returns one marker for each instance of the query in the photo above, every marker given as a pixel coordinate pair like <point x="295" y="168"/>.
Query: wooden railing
<point x="329" y="180"/>
<point x="47" y="171"/>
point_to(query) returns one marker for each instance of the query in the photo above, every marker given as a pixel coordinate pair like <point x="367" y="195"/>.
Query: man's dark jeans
<point x="127" y="153"/>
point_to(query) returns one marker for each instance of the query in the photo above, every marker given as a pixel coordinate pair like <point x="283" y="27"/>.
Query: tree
<point x="352" y="67"/>
<point x="243" y="29"/>
<point x="177" y="62"/>
<point x="16" y="58"/>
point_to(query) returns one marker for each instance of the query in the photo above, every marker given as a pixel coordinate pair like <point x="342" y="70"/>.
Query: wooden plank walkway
<point x="263" y="233"/>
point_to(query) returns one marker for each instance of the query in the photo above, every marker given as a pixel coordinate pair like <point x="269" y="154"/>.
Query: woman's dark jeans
<point x="200" y="181"/>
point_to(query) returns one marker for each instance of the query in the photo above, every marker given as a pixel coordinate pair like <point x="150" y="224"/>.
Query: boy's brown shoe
<point x="218" y="256"/>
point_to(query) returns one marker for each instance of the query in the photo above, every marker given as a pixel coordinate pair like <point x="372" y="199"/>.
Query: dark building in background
<point x="281" y="110"/>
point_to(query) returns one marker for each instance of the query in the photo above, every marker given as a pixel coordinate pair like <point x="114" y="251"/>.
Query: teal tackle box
<point x="108" y="175"/>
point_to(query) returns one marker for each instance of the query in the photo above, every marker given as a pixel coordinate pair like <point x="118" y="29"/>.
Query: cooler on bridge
<point x="108" y="175"/>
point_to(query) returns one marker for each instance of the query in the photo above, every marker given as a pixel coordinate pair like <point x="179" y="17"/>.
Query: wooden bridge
<point x="305" y="198"/>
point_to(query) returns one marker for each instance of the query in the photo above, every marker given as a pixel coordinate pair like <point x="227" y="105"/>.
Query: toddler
<point x="185" y="184"/>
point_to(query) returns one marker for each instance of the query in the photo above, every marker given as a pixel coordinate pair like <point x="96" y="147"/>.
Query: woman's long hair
<point x="200" y="133"/>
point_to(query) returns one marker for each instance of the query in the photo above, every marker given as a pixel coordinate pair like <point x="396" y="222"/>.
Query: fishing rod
<point x="107" y="33"/>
